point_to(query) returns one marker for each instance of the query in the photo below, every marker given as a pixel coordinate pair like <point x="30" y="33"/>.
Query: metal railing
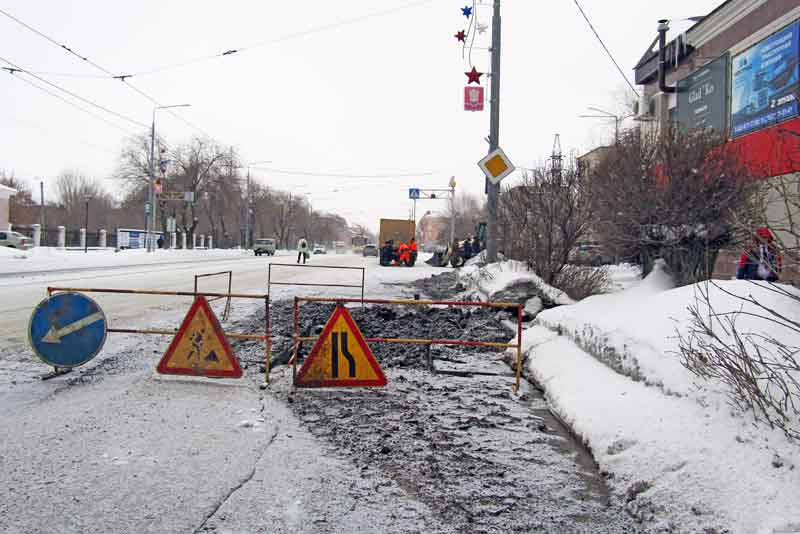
<point x="297" y="339"/>
<point x="227" y="310"/>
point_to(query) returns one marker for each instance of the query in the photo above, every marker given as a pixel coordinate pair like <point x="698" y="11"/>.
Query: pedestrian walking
<point x="302" y="250"/>
<point x="762" y="261"/>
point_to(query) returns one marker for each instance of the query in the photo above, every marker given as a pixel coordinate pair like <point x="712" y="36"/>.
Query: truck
<point x="397" y="231"/>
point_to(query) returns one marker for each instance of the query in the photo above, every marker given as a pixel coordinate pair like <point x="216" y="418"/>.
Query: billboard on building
<point x="764" y="81"/>
<point x="702" y="97"/>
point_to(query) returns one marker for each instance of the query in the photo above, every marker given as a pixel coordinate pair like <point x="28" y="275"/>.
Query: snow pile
<point x="54" y="259"/>
<point x="8" y="253"/>
<point x="487" y="281"/>
<point x="673" y="448"/>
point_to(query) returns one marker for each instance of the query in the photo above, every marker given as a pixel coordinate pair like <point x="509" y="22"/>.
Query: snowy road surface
<point x="114" y="447"/>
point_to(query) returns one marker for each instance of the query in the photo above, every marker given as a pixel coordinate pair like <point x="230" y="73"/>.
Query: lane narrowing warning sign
<point x="340" y="357"/>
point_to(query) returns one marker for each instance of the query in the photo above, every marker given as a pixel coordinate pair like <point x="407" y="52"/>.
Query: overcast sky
<point x="377" y="96"/>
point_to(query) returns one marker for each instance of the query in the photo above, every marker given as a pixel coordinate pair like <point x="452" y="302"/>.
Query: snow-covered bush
<point x="580" y="282"/>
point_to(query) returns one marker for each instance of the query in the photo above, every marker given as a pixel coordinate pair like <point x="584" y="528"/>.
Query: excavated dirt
<point x="485" y="459"/>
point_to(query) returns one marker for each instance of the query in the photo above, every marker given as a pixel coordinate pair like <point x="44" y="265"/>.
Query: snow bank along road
<point x="113" y="447"/>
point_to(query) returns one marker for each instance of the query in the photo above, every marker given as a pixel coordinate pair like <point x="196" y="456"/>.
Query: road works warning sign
<point x="200" y="347"/>
<point x="340" y="357"/>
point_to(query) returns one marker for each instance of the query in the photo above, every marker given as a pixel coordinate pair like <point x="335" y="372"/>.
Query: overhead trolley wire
<point x="123" y="78"/>
<point x="16" y="68"/>
<point x="73" y="104"/>
<point x="227" y="52"/>
<point x="610" y="55"/>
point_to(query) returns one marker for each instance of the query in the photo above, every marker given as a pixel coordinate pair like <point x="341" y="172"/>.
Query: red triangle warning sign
<point x="340" y="357"/>
<point x="200" y="347"/>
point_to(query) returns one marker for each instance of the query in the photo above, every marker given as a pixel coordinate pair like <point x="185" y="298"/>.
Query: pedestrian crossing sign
<point x="200" y="348"/>
<point x="340" y="357"/>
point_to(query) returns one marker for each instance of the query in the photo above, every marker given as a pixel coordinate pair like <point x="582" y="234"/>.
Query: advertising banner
<point x="702" y="97"/>
<point x="765" y="82"/>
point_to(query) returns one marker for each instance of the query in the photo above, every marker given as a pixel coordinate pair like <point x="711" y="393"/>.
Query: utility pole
<point x="150" y="215"/>
<point x="41" y="215"/>
<point x="247" y="212"/>
<point x="452" y="185"/>
<point x="494" y="135"/>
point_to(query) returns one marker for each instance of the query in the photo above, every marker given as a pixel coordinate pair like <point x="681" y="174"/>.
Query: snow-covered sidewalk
<point x="670" y="445"/>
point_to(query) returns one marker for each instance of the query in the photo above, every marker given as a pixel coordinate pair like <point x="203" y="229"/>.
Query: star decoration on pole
<point x="467" y="11"/>
<point x="461" y="36"/>
<point x="481" y="27"/>
<point x="474" y="76"/>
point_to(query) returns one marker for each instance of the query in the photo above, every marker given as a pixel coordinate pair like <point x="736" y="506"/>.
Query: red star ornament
<point x="461" y="36"/>
<point x="474" y="76"/>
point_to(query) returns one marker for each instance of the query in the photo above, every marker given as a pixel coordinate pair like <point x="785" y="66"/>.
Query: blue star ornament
<point x="467" y="11"/>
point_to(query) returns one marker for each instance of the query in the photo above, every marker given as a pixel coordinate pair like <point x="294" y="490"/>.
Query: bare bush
<point x="580" y="282"/>
<point x="671" y="195"/>
<point x="543" y="218"/>
<point x="761" y="371"/>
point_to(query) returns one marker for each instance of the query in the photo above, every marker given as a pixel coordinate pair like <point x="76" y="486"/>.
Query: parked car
<point x="320" y="249"/>
<point x="370" y="249"/>
<point x="14" y="240"/>
<point x="264" y="246"/>
<point x="590" y="254"/>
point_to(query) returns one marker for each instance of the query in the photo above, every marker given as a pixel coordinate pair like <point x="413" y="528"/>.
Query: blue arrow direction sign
<point x="67" y="329"/>
<point x="413" y="193"/>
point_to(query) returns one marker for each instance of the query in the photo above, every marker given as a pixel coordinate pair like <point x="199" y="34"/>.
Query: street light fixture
<point x="608" y="115"/>
<point x="150" y="220"/>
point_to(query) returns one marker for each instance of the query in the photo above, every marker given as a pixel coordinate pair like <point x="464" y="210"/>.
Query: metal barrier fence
<point x="227" y="310"/>
<point x="297" y="339"/>
<point x="166" y="332"/>
<point x="270" y="283"/>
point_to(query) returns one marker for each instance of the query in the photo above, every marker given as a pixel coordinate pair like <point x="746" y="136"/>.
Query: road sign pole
<point x="493" y="190"/>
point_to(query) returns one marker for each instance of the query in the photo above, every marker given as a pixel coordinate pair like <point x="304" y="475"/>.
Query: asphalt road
<point x="115" y="447"/>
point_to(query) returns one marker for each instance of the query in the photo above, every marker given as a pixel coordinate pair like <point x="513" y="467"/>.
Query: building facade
<point x="738" y="71"/>
<point x="5" y="196"/>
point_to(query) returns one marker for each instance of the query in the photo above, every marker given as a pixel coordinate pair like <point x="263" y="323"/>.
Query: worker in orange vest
<point x="404" y="254"/>
<point x="413" y="249"/>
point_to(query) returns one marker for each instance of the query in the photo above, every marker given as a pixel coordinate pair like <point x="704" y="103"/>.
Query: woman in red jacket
<point x="762" y="261"/>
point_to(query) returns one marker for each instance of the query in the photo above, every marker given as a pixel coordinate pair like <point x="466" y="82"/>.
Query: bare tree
<point x="674" y="195"/>
<point x="73" y="190"/>
<point x="544" y="216"/>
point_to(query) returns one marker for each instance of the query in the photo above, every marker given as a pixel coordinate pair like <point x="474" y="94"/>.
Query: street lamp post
<point x="247" y="210"/>
<point x="86" y="228"/>
<point x="150" y="221"/>
<point x="608" y="115"/>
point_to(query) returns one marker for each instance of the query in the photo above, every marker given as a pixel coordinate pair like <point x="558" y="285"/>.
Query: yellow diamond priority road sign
<point x="496" y="166"/>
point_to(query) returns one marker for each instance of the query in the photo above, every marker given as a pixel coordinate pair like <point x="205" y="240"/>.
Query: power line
<point x="123" y="78"/>
<point x="73" y="104"/>
<point x="228" y="52"/>
<point x="17" y="68"/>
<point x="606" y="49"/>
<point x="345" y="175"/>
<point x="49" y="132"/>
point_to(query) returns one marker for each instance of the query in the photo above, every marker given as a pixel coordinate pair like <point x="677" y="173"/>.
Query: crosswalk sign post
<point x="340" y="357"/>
<point x="200" y="347"/>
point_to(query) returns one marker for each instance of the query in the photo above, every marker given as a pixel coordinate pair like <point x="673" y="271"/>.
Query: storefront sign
<point x="764" y="82"/>
<point x="701" y="97"/>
